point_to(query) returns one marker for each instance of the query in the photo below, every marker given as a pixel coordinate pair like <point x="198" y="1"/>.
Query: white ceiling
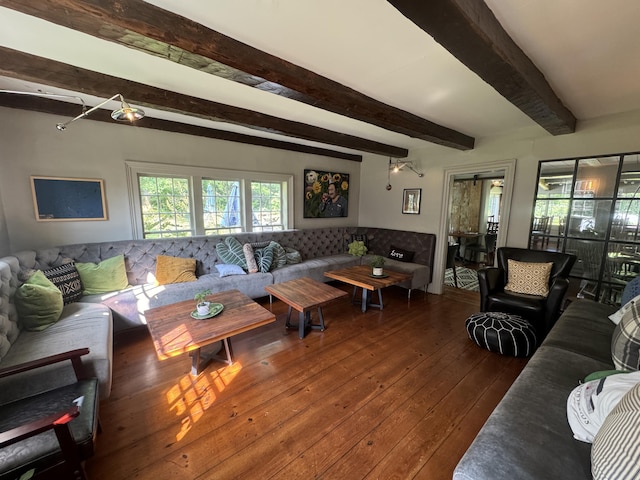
<point x="587" y="50"/>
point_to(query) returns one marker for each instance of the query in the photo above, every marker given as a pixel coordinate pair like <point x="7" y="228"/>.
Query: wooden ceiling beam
<point x="469" y="30"/>
<point x="145" y="27"/>
<point x="70" y="110"/>
<point x="56" y="74"/>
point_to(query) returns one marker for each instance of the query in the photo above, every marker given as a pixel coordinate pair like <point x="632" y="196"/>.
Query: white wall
<point x="89" y="149"/>
<point x="382" y="208"/>
<point x="32" y="146"/>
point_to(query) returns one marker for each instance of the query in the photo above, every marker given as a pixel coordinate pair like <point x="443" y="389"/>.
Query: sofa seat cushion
<point x="420" y="273"/>
<point x="527" y="436"/>
<point x="80" y="325"/>
<point x="129" y="305"/>
<point x="314" y="268"/>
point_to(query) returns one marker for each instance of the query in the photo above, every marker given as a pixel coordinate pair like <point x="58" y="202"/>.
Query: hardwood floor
<point x="398" y="393"/>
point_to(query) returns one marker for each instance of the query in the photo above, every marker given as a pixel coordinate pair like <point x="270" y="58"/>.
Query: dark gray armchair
<point x="542" y="312"/>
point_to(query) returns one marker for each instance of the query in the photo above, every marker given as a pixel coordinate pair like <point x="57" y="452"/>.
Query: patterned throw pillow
<point x="293" y="256"/>
<point x="279" y="255"/>
<point x="264" y="258"/>
<point x="625" y="341"/>
<point x="616" y="447"/>
<point x="400" y="254"/>
<point x="529" y="278"/>
<point x="249" y="257"/>
<point x="67" y="279"/>
<point x="230" y="251"/>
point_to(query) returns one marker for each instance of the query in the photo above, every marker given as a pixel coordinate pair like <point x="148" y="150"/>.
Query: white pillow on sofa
<point x="617" y="316"/>
<point x="226" y="269"/>
<point x="589" y="403"/>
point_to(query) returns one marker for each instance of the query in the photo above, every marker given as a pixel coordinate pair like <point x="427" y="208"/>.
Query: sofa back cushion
<point x="9" y="330"/>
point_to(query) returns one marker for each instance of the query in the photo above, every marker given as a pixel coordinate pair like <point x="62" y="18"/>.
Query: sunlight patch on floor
<point x="192" y="396"/>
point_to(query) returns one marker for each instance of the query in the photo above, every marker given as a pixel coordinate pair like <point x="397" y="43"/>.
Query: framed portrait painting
<point x="326" y="194"/>
<point x="411" y="200"/>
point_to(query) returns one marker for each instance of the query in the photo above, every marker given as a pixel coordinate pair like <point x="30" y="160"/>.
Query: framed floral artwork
<point x="326" y="194"/>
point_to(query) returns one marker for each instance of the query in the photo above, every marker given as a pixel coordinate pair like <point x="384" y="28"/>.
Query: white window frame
<point x="196" y="175"/>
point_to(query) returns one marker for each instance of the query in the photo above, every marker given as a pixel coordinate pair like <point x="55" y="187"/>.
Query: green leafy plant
<point x="377" y="261"/>
<point x="200" y="296"/>
<point x="357" y="248"/>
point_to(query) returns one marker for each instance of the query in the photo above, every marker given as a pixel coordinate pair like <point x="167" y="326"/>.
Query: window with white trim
<point x="177" y="201"/>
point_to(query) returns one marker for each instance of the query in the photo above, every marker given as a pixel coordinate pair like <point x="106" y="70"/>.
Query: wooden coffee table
<point x="305" y="294"/>
<point x="360" y="276"/>
<point x="175" y="332"/>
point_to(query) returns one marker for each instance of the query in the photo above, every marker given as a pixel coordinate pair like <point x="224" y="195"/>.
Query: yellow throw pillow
<point x="175" y="270"/>
<point x="529" y="278"/>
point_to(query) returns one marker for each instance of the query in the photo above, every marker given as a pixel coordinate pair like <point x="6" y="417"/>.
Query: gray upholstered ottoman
<point x="502" y="333"/>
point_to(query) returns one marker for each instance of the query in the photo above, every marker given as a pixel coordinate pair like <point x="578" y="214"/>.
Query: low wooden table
<point x="305" y="294"/>
<point x="360" y="276"/>
<point x="175" y="332"/>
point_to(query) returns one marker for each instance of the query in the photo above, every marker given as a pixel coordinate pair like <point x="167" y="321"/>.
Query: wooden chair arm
<point x="73" y="355"/>
<point x="41" y="425"/>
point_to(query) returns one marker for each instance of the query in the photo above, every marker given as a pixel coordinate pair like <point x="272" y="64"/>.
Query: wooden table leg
<point x="199" y="360"/>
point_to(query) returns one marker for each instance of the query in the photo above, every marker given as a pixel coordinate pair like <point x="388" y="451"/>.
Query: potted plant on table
<point x="377" y="262"/>
<point x="357" y="248"/>
<point x="201" y="304"/>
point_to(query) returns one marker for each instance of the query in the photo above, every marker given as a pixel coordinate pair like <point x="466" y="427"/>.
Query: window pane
<point x="556" y="179"/>
<point x="266" y="206"/>
<point x="222" y="206"/>
<point x="165" y="206"/>
<point x="596" y="177"/>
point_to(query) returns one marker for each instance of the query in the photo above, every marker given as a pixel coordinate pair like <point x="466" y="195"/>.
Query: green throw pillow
<point x="264" y="258"/>
<point x="279" y="255"/>
<point x="38" y="302"/>
<point x="230" y="252"/>
<point x="107" y="276"/>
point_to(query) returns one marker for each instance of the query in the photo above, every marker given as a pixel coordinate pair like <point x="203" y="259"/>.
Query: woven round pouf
<point x="502" y="333"/>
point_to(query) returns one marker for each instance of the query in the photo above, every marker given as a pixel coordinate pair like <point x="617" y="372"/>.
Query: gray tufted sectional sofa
<point x="92" y="321"/>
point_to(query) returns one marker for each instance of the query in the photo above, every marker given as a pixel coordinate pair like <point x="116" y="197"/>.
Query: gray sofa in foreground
<point x="92" y="321"/>
<point x="528" y="436"/>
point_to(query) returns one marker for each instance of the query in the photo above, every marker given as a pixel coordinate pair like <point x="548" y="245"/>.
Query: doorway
<point x="500" y="170"/>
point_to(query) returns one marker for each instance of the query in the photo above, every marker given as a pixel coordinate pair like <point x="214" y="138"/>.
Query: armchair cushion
<point x="529" y="278"/>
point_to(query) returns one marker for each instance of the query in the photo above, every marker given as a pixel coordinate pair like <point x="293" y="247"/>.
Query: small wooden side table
<point x="304" y="294"/>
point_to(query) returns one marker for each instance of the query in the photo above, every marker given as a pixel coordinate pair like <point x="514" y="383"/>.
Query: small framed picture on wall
<point x="411" y="200"/>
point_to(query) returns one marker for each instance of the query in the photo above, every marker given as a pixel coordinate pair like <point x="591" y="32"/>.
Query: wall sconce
<point x="396" y="166"/>
<point x="124" y="113"/>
